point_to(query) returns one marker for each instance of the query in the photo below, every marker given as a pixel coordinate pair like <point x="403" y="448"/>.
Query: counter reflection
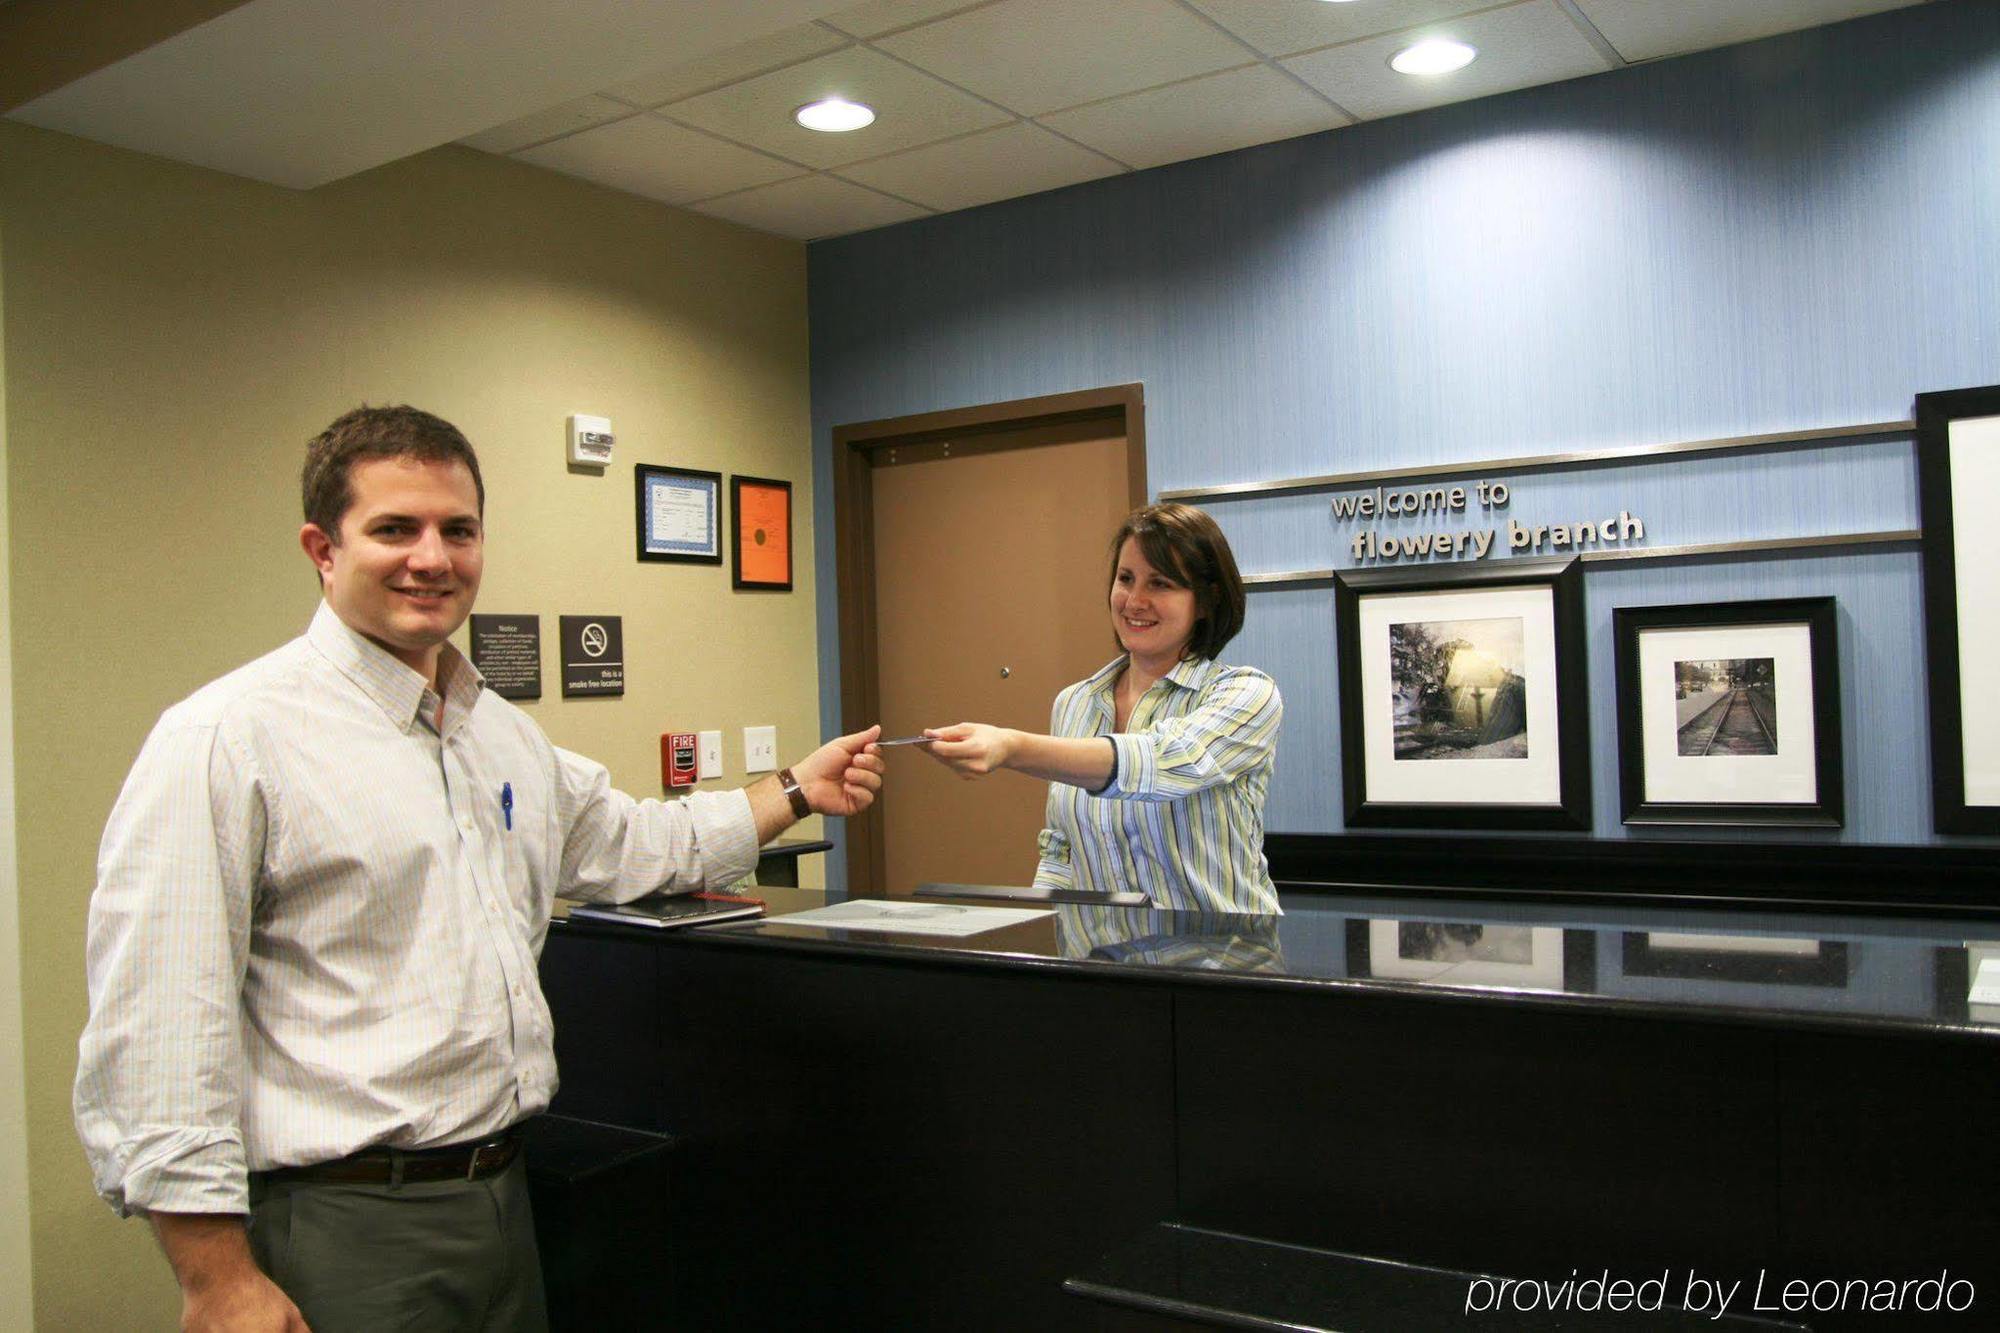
<point x="1917" y="971"/>
<point x="1480" y="954"/>
<point x="1213" y="941"/>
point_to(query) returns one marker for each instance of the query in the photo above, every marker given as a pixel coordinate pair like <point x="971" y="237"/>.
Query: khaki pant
<point x="444" y="1255"/>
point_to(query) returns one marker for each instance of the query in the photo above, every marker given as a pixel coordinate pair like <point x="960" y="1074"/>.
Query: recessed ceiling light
<point x="1436" y="55"/>
<point x="834" y="115"/>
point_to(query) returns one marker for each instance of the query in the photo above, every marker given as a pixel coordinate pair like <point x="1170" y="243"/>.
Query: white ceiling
<point x="690" y="101"/>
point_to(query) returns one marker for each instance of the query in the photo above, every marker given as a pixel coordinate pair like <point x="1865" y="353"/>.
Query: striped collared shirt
<point x="1183" y="817"/>
<point x="316" y="922"/>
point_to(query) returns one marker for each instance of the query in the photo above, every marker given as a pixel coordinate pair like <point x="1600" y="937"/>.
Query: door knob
<point x="1006" y="672"/>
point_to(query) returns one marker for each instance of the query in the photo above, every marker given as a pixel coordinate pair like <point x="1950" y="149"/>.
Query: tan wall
<point x="173" y="336"/>
<point x="16" y="1298"/>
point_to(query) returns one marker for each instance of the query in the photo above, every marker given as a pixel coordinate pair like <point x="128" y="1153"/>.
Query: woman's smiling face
<point x="1152" y="615"/>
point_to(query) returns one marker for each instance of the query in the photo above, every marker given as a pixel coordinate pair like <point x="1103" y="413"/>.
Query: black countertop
<point x="1214" y="1277"/>
<point x="1911" y="976"/>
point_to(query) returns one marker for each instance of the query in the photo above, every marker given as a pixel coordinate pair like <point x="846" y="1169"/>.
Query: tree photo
<point x="1459" y="687"/>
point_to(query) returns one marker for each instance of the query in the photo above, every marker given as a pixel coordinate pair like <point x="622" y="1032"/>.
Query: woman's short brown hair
<point x="1184" y="543"/>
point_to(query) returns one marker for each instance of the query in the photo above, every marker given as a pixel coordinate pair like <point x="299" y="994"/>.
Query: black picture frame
<point x="1819" y="617"/>
<point x="1573" y="957"/>
<point x="1563" y="581"/>
<point x="1953" y="969"/>
<point x="1951" y="982"/>
<point x="1828" y="966"/>
<point x="1953" y="811"/>
<point x="646" y="477"/>
<point x="755" y="581"/>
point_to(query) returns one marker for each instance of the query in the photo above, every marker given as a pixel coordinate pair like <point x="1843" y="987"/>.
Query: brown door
<point x="985" y="580"/>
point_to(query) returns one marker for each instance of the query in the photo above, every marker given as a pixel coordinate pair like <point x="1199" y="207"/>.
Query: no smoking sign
<point x="593" y="656"/>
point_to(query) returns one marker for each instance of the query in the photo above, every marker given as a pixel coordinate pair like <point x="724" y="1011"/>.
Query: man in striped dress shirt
<point x="320" y="901"/>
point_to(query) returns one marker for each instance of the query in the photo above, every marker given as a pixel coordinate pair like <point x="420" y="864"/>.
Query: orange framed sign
<point x="760" y="514"/>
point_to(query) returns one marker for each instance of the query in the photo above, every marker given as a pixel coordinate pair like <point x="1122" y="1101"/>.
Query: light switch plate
<point x="760" y="749"/>
<point x="708" y="756"/>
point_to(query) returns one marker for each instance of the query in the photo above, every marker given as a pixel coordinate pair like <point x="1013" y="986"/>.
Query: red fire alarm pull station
<point x="677" y="758"/>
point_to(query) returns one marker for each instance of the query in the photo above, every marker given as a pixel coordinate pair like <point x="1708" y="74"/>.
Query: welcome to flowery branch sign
<point x="1444" y="501"/>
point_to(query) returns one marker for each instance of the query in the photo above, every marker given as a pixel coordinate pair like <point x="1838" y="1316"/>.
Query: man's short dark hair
<point x="376" y="432"/>
<point x="1184" y="543"/>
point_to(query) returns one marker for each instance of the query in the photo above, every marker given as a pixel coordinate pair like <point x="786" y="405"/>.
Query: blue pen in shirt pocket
<point x="507" y="804"/>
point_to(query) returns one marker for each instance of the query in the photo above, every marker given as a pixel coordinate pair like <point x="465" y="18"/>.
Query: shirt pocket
<point x="1053" y="846"/>
<point x="524" y="852"/>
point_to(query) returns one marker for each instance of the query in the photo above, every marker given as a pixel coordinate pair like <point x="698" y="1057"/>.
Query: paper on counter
<point x="905" y="918"/>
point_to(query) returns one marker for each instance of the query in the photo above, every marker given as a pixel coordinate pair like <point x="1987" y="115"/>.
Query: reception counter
<point x="888" y="1131"/>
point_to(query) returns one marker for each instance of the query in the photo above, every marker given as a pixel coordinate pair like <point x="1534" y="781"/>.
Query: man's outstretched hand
<point x="842" y="776"/>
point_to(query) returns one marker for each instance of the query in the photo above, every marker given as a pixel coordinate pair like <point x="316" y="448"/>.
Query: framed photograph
<point x="1759" y="960"/>
<point x="679" y="513"/>
<point x="1958" y="472"/>
<point x="1490" y="955"/>
<point x="1729" y="713"/>
<point x="1463" y="699"/>
<point x="760" y="513"/>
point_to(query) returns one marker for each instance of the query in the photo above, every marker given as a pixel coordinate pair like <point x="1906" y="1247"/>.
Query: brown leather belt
<point x="390" y="1166"/>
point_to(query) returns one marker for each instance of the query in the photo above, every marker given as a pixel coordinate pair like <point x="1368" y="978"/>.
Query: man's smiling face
<point x="411" y="548"/>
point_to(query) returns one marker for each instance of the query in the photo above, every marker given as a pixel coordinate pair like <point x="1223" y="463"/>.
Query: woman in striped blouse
<point x="1158" y="763"/>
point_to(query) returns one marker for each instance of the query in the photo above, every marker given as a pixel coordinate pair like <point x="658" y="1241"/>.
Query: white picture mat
<point x="1542" y="971"/>
<point x="1788" y="776"/>
<point x="1974" y="451"/>
<point x="1774" y="945"/>
<point x="1983" y="979"/>
<point x="1535" y="780"/>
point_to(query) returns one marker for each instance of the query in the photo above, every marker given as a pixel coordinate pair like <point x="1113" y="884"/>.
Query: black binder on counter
<point x="667" y="911"/>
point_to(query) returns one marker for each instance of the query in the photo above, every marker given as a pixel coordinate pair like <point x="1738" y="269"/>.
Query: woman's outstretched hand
<point x="971" y="749"/>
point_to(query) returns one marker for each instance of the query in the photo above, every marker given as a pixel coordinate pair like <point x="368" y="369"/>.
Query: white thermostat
<point x="590" y="441"/>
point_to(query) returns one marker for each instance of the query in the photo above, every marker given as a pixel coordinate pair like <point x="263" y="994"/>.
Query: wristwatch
<point x="793" y="794"/>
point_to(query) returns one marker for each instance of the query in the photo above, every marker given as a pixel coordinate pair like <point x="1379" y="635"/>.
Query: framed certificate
<point x="678" y="514"/>
<point x="760" y="514"/>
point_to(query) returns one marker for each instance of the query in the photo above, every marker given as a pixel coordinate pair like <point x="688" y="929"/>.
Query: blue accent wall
<point x="1797" y="233"/>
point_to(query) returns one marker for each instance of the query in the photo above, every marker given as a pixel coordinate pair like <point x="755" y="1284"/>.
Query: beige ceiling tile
<point x="1289" y="26"/>
<point x="1646" y="29"/>
<point x="910" y="109"/>
<point x="1202" y="116"/>
<point x="738" y="62"/>
<point x="810" y="207"/>
<point x="880" y="16"/>
<point x="650" y="156"/>
<point x="1043" y="55"/>
<point x="993" y="164"/>
<point x="1519" y="46"/>
<point x="302" y="92"/>
<point x="557" y="120"/>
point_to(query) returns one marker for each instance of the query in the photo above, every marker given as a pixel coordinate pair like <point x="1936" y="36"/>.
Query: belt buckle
<point x="479" y="1158"/>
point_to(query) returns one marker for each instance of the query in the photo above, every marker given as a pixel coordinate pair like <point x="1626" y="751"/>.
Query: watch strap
<point x="793" y="794"/>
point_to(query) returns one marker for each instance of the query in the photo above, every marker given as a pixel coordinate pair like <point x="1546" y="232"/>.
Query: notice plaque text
<point x="507" y="651"/>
